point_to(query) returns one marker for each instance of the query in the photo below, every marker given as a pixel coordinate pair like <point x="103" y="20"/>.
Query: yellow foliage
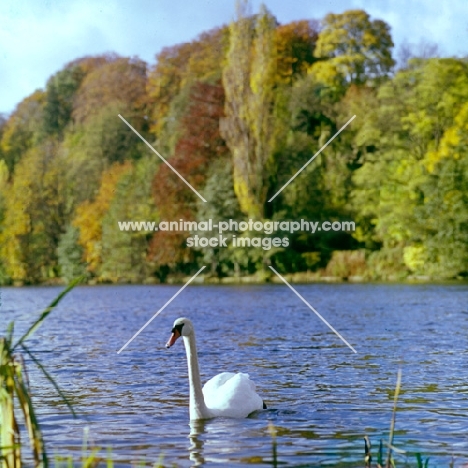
<point x="453" y="142"/>
<point x="32" y="220"/>
<point x="358" y="47"/>
<point x="248" y="128"/>
<point x="327" y="72"/>
<point x="414" y="257"/>
<point x="247" y="202"/>
<point x="17" y="223"/>
<point x="18" y="134"/>
<point x="3" y="176"/>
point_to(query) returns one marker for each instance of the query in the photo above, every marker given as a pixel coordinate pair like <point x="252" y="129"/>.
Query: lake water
<point x="322" y="397"/>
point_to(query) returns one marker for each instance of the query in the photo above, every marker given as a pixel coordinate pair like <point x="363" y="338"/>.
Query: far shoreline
<point x="254" y="280"/>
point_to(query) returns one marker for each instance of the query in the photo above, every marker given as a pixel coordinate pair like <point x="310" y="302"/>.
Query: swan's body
<point x="227" y="394"/>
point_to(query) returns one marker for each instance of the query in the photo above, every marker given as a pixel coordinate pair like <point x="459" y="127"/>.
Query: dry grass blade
<point x="9" y="335"/>
<point x="32" y="424"/>
<point x="10" y="436"/>
<point x="367" y="452"/>
<point x="272" y="431"/>
<point x="392" y="424"/>
<point x="47" y="311"/>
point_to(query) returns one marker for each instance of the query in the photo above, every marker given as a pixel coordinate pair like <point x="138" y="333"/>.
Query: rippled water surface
<point x="322" y="397"/>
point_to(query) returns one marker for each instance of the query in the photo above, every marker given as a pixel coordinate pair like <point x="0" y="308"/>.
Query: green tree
<point x="222" y="205"/>
<point x="89" y="215"/>
<point x="60" y="93"/>
<point x="34" y="215"/>
<point x="410" y="133"/>
<point x="94" y="145"/>
<point x="353" y="48"/>
<point x="23" y="129"/>
<point x="125" y="253"/>
<point x="70" y="254"/>
<point x="443" y="225"/>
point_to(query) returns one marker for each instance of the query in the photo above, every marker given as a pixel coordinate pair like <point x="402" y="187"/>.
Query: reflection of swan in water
<point x="197" y="429"/>
<point x="227" y="394"/>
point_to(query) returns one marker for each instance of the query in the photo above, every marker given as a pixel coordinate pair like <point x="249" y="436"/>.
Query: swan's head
<point x="182" y="327"/>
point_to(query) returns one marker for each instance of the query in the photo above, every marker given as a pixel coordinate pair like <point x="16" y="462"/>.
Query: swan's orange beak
<point x="173" y="338"/>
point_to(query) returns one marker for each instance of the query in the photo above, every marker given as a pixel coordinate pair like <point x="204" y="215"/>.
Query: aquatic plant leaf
<point x="9" y="431"/>
<point x="35" y="436"/>
<point x="9" y="333"/>
<point x="50" y="379"/>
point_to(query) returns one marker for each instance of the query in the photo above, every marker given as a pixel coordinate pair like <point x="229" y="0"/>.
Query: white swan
<point x="227" y="394"/>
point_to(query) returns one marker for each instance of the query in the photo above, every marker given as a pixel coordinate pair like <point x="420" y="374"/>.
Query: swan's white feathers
<point x="216" y="382"/>
<point x="227" y="394"/>
<point x="231" y="395"/>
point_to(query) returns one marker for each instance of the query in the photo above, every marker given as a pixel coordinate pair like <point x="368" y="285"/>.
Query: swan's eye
<point x="178" y="328"/>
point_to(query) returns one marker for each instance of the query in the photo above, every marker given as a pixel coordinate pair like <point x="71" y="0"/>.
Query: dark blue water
<point x="322" y="397"/>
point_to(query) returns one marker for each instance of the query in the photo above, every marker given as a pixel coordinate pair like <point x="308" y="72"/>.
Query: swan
<point x="227" y="394"/>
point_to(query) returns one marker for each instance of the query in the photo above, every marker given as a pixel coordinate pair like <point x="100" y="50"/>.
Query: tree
<point x="23" y="129"/>
<point x="248" y="128"/>
<point x="222" y="205"/>
<point x="443" y="224"/>
<point x="98" y="138"/>
<point x="60" y="93"/>
<point x="34" y="215"/>
<point x="89" y="215"/>
<point x="321" y="191"/>
<point x="124" y="253"/>
<point x="403" y="185"/>
<point x="295" y="43"/>
<point x="353" y="47"/>
<point x="118" y="80"/>
<point x="70" y="254"/>
<point x="3" y="206"/>
<point x="200" y="145"/>
<point x="178" y="67"/>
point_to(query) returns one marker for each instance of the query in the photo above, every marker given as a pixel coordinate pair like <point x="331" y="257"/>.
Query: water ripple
<point x="322" y="399"/>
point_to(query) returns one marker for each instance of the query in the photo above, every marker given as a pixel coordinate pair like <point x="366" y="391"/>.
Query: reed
<point x="390" y="462"/>
<point x="94" y="459"/>
<point x="274" y="444"/>
<point x="15" y="389"/>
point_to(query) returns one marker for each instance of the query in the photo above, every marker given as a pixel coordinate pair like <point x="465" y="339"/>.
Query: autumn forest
<point x="238" y="111"/>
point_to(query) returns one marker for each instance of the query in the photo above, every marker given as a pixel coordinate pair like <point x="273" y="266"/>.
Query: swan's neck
<point x="198" y="409"/>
